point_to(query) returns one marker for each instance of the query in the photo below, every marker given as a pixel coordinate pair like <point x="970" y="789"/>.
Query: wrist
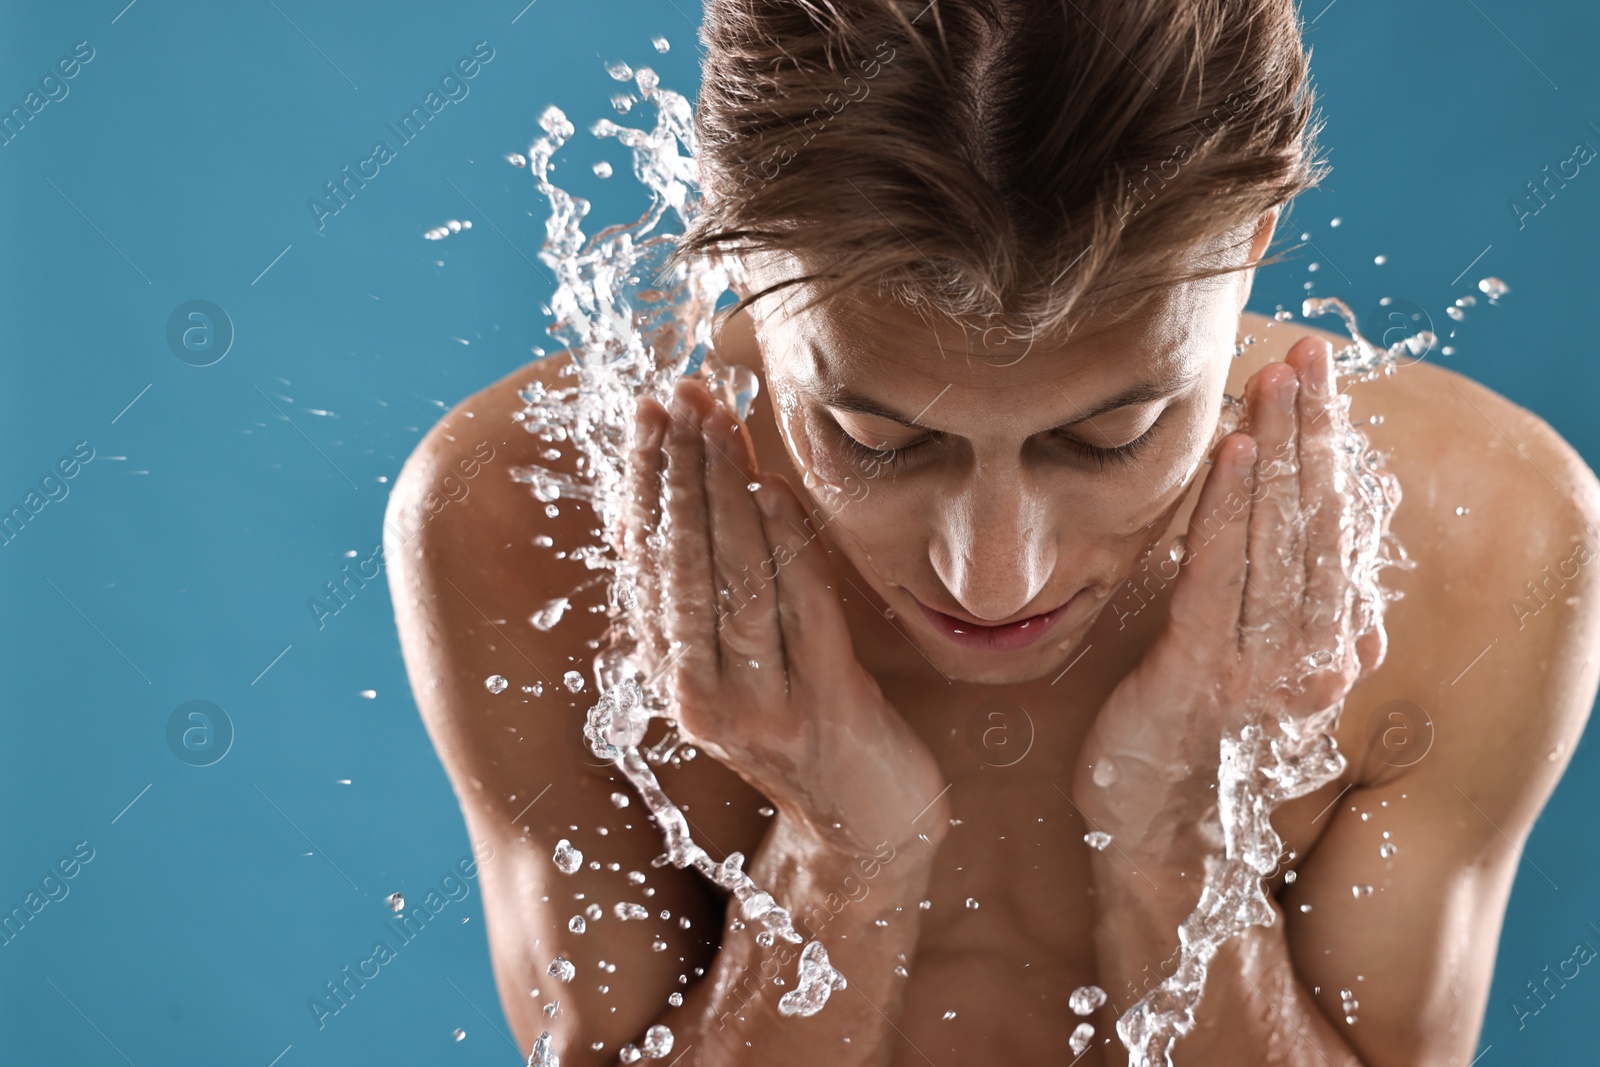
<point x="798" y="854"/>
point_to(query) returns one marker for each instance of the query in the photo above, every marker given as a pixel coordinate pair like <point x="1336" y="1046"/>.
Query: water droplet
<point x="369" y="694"/>
<point x="566" y="858"/>
<point x="396" y="902"/>
<point x="1082" y="1034"/>
<point x="1086" y="1000"/>
<point x="495" y="683"/>
<point x="623" y="102"/>
<point x="573" y="681"/>
<point x="576" y="924"/>
<point x="1290" y="876"/>
<point x="546" y="617"/>
<point x="766" y="810"/>
<point x="636" y="877"/>
<point x="594" y="912"/>
<point x="1380" y="260"/>
<point x="551" y="511"/>
<point x="542" y="541"/>
<point x="628" y="1054"/>
<point x="619" y="800"/>
<point x="924" y="904"/>
<point x="620" y="71"/>
<point x="561" y="969"/>
<point x="1283" y="315"/>
<point x="972" y="903"/>
<point x="1388" y="849"/>
<point x="543" y="1053"/>
<point x="660" y="43"/>
<point x="1349" y="1004"/>
<point x="459" y="1034"/>
<point x="1493" y="288"/>
<point x="1305" y="908"/>
<point x="1463" y="510"/>
<point x="627" y="911"/>
<point x="1097" y="840"/>
<point x="1455" y="313"/>
<point x="602" y="169"/>
<point x="658" y="945"/>
<point x="517" y="159"/>
<point x="1335" y="221"/>
<point x="657" y="1042"/>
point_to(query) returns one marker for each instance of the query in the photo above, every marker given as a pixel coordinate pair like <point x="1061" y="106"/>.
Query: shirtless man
<point x="948" y="654"/>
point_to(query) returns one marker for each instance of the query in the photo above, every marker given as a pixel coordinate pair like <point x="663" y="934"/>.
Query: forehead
<point x="871" y="344"/>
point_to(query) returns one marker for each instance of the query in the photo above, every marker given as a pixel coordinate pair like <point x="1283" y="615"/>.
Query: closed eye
<point x="900" y="455"/>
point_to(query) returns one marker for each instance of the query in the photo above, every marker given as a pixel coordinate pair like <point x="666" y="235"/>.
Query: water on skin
<point x="633" y="328"/>
<point x="1275" y="756"/>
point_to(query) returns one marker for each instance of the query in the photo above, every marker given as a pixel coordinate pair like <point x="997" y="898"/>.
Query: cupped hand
<point x="742" y="623"/>
<point x="1263" y="614"/>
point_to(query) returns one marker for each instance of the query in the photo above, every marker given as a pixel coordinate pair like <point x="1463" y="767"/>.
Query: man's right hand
<point x="739" y="608"/>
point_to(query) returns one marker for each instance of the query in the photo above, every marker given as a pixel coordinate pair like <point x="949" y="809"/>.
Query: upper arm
<point x="466" y="574"/>
<point x="1496" y="646"/>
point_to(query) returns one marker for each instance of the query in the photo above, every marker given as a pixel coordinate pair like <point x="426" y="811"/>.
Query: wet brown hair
<point x="1000" y="161"/>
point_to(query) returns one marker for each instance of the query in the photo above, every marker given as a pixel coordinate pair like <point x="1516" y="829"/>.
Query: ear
<point x="1265" y="227"/>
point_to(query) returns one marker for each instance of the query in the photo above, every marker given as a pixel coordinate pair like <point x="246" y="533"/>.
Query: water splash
<point x="634" y="325"/>
<point x="1277" y="756"/>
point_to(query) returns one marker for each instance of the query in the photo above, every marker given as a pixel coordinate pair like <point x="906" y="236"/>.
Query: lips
<point x="1006" y="638"/>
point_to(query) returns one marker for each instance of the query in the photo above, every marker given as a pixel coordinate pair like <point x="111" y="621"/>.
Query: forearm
<point x="863" y="908"/>
<point x="1255" y="1008"/>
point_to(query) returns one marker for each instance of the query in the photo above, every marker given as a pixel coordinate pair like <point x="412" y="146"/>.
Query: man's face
<point x="996" y="494"/>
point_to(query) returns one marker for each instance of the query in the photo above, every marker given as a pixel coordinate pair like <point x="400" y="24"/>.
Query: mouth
<point x="1007" y="637"/>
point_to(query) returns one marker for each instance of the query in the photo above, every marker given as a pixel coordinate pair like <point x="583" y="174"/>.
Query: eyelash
<point x="894" y="458"/>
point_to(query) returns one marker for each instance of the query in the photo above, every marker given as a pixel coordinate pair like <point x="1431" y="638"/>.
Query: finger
<point x="815" y="635"/>
<point x="1325" y="504"/>
<point x="747" y="622"/>
<point x="641" y="517"/>
<point x="1207" y="602"/>
<point x="687" y="605"/>
<point x="1276" y="573"/>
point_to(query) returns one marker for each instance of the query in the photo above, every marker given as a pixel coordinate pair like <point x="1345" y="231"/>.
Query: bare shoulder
<point x="1493" y="636"/>
<point x="472" y="555"/>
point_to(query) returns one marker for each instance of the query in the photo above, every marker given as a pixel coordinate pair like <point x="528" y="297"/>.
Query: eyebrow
<point x="837" y="396"/>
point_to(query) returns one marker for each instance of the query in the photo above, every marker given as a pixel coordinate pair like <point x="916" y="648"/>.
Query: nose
<point x="993" y="546"/>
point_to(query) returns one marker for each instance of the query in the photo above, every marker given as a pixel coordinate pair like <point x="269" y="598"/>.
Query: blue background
<point x="180" y="565"/>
